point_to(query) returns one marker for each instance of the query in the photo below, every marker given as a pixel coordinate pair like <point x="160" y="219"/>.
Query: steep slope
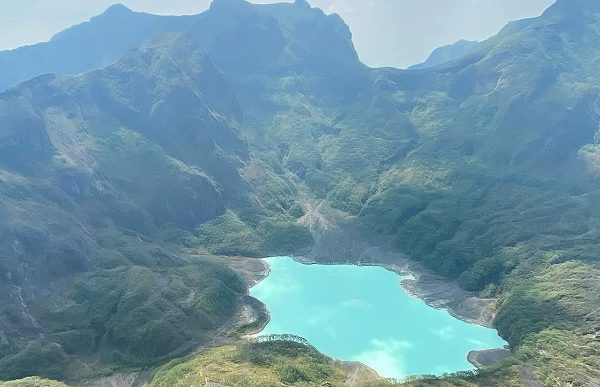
<point x="153" y="92"/>
<point x="133" y="157"/>
<point x="532" y="69"/>
<point x="518" y="112"/>
<point x="235" y="33"/>
<point x="274" y="37"/>
<point x="499" y="187"/>
<point x="108" y="162"/>
<point x="111" y="34"/>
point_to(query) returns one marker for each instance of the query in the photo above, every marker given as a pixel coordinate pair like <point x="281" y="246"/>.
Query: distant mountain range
<point x="134" y="148"/>
<point x="446" y="54"/>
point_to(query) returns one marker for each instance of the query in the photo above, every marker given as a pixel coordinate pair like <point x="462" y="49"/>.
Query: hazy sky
<point x="386" y="32"/>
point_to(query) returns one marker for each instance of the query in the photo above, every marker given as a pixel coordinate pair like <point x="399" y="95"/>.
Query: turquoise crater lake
<point x="362" y="313"/>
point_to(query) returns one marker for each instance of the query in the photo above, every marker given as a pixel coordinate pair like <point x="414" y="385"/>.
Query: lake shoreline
<point x="414" y="282"/>
<point x="357" y="372"/>
<point x="341" y="239"/>
<point x="477" y="358"/>
<point x="264" y="311"/>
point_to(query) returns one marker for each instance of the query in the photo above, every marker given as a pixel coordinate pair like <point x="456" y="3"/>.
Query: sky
<point x="396" y="33"/>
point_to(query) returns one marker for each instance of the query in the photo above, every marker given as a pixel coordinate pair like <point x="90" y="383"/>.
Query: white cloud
<point x="478" y="343"/>
<point x="276" y="289"/>
<point x="446" y="333"/>
<point x="387" y="356"/>
<point x="357" y="304"/>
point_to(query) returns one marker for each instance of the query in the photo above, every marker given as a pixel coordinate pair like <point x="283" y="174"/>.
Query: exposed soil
<point x="357" y="373"/>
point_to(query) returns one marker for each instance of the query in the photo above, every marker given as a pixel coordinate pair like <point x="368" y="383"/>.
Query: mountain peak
<point x="117" y="9"/>
<point x="302" y="3"/>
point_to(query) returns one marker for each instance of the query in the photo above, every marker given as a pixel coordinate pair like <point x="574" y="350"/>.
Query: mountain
<point x="276" y="37"/>
<point x="254" y="130"/>
<point x="67" y="52"/>
<point x="265" y="34"/>
<point x="119" y="167"/>
<point x="92" y="167"/>
<point x="446" y="54"/>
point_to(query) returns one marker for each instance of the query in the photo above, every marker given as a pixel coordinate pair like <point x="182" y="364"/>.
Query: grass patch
<point x="259" y="364"/>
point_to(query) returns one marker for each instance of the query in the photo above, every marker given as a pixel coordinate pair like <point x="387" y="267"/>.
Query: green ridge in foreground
<point x="260" y="364"/>
<point x="32" y="382"/>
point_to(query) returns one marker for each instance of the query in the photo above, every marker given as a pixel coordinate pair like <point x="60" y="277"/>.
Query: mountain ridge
<point x="445" y="54"/>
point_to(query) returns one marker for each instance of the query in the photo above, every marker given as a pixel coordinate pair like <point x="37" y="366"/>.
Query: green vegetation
<point x="474" y="169"/>
<point x="253" y="235"/>
<point x="269" y="362"/>
<point x="152" y="313"/>
<point x="484" y="169"/>
<point x="32" y="382"/>
<point x="135" y="315"/>
<point x="550" y="294"/>
<point x="84" y="267"/>
<point x="93" y="282"/>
